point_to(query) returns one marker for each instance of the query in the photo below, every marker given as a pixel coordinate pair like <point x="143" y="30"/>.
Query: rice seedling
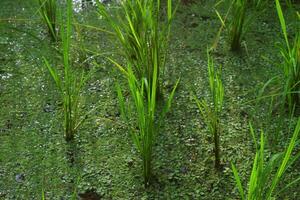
<point x="70" y="84"/>
<point x="47" y="9"/>
<point x="242" y="13"/>
<point x="259" y="4"/>
<point x="263" y="182"/>
<point x="43" y="194"/>
<point x="211" y="115"/>
<point x="143" y="37"/>
<point x="237" y="24"/>
<point x="139" y="27"/>
<point x="141" y="115"/>
<point x="289" y="3"/>
<point x="291" y="64"/>
<point x="223" y="21"/>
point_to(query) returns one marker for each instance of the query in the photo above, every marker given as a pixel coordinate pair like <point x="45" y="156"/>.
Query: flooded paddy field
<point x="102" y="160"/>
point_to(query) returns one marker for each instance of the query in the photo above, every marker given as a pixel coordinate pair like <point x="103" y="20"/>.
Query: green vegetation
<point x="261" y="186"/>
<point x="48" y="10"/>
<point x="110" y="84"/>
<point x="237" y="23"/>
<point x="71" y="84"/>
<point x="147" y="120"/>
<point x="291" y="64"/>
<point x="142" y="35"/>
<point x="259" y="4"/>
<point x="212" y="116"/>
<point x="144" y="41"/>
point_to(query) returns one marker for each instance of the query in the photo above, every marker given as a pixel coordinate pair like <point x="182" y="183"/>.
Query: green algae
<point x="103" y="157"/>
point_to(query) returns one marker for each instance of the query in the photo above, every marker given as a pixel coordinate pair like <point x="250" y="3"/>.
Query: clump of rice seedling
<point x="141" y="114"/>
<point x="47" y="9"/>
<point x="263" y="182"/>
<point x="291" y="64"/>
<point x="212" y="115"/>
<point x="289" y="3"/>
<point x="259" y="4"/>
<point x="239" y="21"/>
<point x="139" y="29"/>
<point x="143" y="36"/>
<point x="70" y="84"/>
<point x="237" y="24"/>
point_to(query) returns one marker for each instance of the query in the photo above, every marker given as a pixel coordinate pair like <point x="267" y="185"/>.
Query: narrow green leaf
<point x="238" y="181"/>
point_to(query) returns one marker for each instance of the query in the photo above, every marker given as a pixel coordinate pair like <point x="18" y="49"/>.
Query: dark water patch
<point x="20" y="178"/>
<point x="187" y="2"/>
<point x="205" y="17"/>
<point x="72" y="154"/>
<point x="89" y="195"/>
<point x="48" y="108"/>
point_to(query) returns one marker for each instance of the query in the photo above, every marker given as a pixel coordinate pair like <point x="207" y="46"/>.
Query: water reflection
<point x="5" y="76"/>
<point x="80" y="5"/>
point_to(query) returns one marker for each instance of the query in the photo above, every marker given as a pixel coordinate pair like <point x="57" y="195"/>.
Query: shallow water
<point x="80" y="5"/>
<point x="34" y="156"/>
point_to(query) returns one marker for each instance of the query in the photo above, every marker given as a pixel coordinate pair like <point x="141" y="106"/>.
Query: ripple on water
<point x="80" y="5"/>
<point x="5" y="76"/>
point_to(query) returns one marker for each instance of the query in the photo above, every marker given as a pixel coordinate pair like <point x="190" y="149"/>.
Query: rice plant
<point x="263" y="182"/>
<point x="237" y="24"/>
<point x="289" y="3"/>
<point x="259" y="4"/>
<point x="140" y="27"/>
<point x="291" y="64"/>
<point x="211" y="115"/>
<point x="71" y="83"/>
<point x="141" y="114"/>
<point x="47" y="9"/>
<point x="143" y="36"/>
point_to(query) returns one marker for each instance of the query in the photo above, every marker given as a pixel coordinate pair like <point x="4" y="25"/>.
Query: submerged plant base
<point x="147" y="172"/>
<point x="235" y="44"/>
<point x="69" y="135"/>
<point x="89" y="195"/>
<point x="217" y="150"/>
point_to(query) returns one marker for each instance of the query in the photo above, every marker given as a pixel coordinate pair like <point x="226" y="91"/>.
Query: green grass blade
<point x="282" y="23"/>
<point x="238" y="181"/>
<point x="286" y="158"/>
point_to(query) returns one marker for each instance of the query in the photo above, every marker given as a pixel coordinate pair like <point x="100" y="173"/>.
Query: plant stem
<point x="217" y="146"/>
<point x="147" y="169"/>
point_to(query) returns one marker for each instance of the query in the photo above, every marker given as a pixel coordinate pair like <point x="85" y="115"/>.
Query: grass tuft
<point x="47" y="9"/>
<point x="71" y="83"/>
<point x="142" y="31"/>
<point x="291" y="64"/>
<point x="212" y="115"/>
<point x="237" y="24"/>
<point x="263" y="183"/>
